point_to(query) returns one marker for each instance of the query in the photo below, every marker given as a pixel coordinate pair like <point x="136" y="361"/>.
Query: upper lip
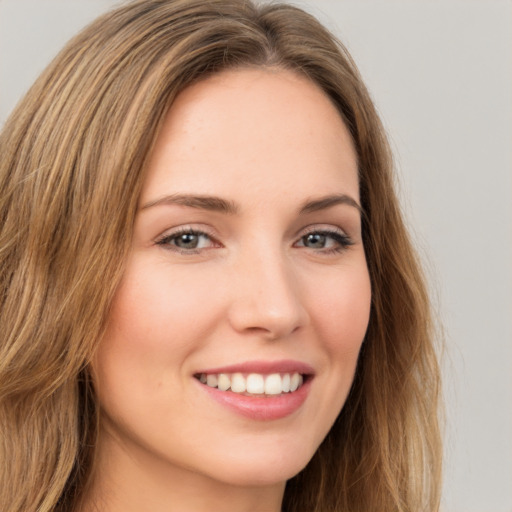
<point x="263" y="367"/>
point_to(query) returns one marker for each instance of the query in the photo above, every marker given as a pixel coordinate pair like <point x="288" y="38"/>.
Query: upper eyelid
<point x="336" y="234"/>
<point x="187" y="228"/>
<point x="323" y="228"/>
<point x="210" y="232"/>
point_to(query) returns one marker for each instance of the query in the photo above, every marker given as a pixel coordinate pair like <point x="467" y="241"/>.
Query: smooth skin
<point x="228" y="266"/>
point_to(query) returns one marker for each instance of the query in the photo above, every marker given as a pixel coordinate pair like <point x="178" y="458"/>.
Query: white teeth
<point x="295" y="381"/>
<point x="224" y="382"/>
<point x="273" y="384"/>
<point x="238" y="383"/>
<point x="211" y="380"/>
<point x="254" y="383"/>
<point x="286" y="383"/>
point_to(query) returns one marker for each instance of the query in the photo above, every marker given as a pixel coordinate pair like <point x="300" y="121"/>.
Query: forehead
<point x="249" y="130"/>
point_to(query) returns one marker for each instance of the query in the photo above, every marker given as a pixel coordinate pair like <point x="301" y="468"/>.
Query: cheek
<point x="159" y="312"/>
<point x="342" y="311"/>
<point x="157" y="321"/>
<point x="339" y="310"/>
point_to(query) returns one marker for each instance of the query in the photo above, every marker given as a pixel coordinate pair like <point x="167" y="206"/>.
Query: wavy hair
<point x="73" y="159"/>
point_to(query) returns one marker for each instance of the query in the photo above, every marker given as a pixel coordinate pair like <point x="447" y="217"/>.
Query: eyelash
<point x="166" y="240"/>
<point x="341" y="239"/>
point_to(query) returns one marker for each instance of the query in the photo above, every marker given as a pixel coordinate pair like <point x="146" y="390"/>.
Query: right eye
<point x="187" y="241"/>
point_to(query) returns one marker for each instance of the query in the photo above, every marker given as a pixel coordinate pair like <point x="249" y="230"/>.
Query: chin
<point x="255" y="468"/>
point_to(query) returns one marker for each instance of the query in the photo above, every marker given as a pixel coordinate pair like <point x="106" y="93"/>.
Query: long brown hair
<point x="72" y="160"/>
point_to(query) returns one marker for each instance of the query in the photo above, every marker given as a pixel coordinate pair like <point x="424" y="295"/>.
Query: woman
<point x="209" y="298"/>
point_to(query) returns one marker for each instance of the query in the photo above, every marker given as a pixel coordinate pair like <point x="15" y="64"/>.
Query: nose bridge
<point x="267" y="298"/>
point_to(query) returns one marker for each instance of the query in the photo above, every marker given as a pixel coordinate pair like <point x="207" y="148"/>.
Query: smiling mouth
<point x="254" y="384"/>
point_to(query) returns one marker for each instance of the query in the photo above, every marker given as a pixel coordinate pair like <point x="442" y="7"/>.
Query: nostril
<point x="258" y="319"/>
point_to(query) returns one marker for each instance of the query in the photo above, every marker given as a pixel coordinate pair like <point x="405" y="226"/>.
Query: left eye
<point x="324" y="240"/>
<point x="187" y="240"/>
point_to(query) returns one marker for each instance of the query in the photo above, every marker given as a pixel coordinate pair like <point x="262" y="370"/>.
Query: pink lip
<point x="264" y="367"/>
<point x="257" y="407"/>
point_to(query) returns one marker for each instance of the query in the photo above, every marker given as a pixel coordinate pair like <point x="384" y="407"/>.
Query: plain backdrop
<point x="440" y="72"/>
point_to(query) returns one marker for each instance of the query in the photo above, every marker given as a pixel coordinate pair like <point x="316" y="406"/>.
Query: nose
<point x="265" y="297"/>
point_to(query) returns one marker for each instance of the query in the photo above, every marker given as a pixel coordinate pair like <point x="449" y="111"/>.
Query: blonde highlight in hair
<point x="74" y="153"/>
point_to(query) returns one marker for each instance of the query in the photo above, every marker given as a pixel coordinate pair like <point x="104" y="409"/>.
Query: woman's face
<point x="247" y="270"/>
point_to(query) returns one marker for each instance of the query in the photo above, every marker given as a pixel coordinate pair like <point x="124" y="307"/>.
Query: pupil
<point x="187" y="241"/>
<point x="316" y="240"/>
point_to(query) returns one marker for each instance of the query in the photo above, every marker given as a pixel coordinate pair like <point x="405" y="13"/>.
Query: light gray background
<point x="440" y="72"/>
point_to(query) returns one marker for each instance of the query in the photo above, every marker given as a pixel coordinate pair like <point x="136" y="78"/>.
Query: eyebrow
<point x="211" y="203"/>
<point x="323" y="203"/>
<point x="217" y="204"/>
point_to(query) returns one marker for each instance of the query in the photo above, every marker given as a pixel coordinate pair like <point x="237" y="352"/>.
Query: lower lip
<point x="261" y="408"/>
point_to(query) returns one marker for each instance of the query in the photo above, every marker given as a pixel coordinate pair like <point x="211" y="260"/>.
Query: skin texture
<point x="267" y="142"/>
